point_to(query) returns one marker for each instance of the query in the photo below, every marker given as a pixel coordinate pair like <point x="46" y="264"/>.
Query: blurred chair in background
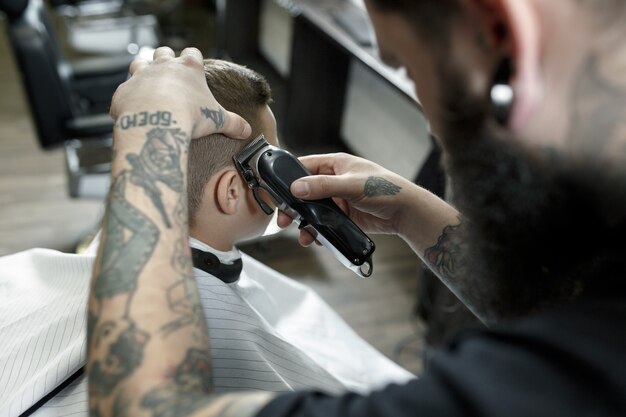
<point x="127" y="25"/>
<point x="68" y="101"/>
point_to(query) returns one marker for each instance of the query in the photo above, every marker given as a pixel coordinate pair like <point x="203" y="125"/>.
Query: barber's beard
<point x="543" y="231"/>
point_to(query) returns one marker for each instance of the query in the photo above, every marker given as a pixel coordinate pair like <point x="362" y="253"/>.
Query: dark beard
<point x="543" y="231"/>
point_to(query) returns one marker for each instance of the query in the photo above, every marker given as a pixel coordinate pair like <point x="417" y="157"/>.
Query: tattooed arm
<point x="148" y="343"/>
<point x="380" y="201"/>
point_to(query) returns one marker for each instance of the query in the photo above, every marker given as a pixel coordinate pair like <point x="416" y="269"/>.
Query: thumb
<point x="316" y="187"/>
<point x="234" y="126"/>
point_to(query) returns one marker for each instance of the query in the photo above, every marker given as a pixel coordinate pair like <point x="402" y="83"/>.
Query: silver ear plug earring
<point x="502" y="95"/>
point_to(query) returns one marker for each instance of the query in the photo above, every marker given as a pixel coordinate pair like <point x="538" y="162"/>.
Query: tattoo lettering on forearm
<point x="447" y="257"/>
<point x="217" y="116"/>
<point x="378" y="186"/>
<point x="144" y="118"/>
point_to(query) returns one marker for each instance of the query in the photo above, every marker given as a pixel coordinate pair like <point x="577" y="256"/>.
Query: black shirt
<point x="566" y="363"/>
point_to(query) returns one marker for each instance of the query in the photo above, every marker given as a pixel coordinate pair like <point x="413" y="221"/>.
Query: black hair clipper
<point x="274" y="169"/>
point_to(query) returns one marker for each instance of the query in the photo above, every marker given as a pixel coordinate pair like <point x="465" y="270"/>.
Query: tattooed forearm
<point x="189" y="389"/>
<point x="120" y="358"/>
<point x="144" y="292"/>
<point x="186" y="391"/>
<point x="117" y="338"/>
<point x="130" y="239"/>
<point x="447" y="258"/>
<point x="158" y="162"/>
<point x="144" y="118"/>
<point x="184" y="304"/>
<point x="217" y="116"/>
<point x="377" y="186"/>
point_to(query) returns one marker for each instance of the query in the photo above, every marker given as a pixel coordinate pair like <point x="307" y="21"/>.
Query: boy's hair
<point x="237" y="89"/>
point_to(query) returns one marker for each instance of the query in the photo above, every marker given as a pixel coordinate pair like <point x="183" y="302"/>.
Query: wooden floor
<point x="35" y="211"/>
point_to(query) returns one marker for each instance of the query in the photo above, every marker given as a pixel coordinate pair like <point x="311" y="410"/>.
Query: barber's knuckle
<point x="191" y="61"/>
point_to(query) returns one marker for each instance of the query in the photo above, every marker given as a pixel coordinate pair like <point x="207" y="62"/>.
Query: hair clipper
<point x="264" y="166"/>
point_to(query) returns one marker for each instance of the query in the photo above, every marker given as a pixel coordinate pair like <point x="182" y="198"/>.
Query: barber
<point x="528" y="100"/>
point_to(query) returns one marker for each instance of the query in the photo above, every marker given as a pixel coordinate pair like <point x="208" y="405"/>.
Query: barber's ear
<point x="229" y="191"/>
<point x="515" y="24"/>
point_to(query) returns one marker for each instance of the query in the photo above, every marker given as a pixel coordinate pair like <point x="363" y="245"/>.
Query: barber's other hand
<point x="177" y="85"/>
<point x="369" y="194"/>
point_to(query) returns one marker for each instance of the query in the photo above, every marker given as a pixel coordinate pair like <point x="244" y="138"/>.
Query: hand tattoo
<point x="377" y="186"/>
<point x="218" y="116"/>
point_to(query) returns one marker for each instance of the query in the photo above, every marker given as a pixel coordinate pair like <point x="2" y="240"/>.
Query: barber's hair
<point x="429" y="18"/>
<point x="237" y="89"/>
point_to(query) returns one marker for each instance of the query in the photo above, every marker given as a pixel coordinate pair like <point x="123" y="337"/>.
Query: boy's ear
<point x="229" y="191"/>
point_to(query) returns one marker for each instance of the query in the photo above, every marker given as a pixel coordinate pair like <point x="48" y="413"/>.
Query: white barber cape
<point x="267" y="332"/>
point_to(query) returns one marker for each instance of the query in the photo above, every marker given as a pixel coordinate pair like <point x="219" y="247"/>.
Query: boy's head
<point x="221" y="207"/>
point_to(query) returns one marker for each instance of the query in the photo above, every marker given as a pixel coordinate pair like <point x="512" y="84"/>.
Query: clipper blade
<point x="251" y="149"/>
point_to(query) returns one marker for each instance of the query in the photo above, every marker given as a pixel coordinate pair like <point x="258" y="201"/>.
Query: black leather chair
<point x="68" y="101"/>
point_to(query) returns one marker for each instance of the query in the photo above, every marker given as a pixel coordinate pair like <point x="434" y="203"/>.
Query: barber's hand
<point x="177" y="85"/>
<point x="369" y="194"/>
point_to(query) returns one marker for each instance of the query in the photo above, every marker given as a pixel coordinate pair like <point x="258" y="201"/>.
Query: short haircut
<point x="237" y="89"/>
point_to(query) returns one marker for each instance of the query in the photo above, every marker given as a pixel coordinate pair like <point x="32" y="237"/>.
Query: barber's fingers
<point x="322" y="164"/>
<point x="233" y="126"/>
<point x="283" y="220"/>
<point x="305" y="238"/>
<point x="137" y="65"/>
<point x="317" y="187"/>
<point x="192" y="53"/>
<point x="163" y="53"/>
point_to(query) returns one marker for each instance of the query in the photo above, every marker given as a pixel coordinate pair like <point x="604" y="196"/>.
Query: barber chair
<point x="68" y="101"/>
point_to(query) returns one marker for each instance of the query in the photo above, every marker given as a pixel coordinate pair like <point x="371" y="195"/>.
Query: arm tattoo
<point x="218" y="116"/>
<point x="183" y="303"/>
<point x="377" y="186"/>
<point x="157" y="118"/>
<point x="131" y="238"/>
<point x="118" y="342"/>
<point x="186" y="391"/>
<point x="447" y="257"/>
<point x="123" y="356"/>
<point x="189" y="389"/>
<point x="121" y="345"/>
<point x="158" y="161"/>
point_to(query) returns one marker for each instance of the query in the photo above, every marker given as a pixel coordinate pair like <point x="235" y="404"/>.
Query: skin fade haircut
<point x="239" y="90"/>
